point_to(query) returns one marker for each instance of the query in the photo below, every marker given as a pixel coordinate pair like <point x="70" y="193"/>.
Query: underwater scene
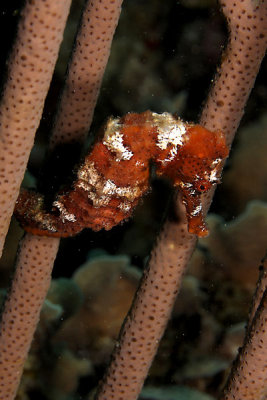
<point x="162" y="63"/>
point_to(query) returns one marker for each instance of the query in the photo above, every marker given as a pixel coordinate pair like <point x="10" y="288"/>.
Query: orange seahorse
<point x="115" y="175"/>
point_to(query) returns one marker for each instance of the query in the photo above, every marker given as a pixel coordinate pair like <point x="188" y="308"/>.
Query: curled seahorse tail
<point x="31" y="213"/>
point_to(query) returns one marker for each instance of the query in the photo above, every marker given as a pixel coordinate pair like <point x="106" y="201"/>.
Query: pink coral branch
<point x="152" y="305"/>
<point x="259" y="292"/>
<point x="86" y="70"/>
<point x="22" y="309"/>
<point x="247" y="24"/>
<point x="30" y="71"/>
<point x="31" y="66"/>
<point x="248" y="378"/>
<point x="150" y="312"/>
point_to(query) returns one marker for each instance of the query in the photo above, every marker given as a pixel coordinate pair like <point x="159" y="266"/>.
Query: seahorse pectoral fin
<point x="195" y="219"/>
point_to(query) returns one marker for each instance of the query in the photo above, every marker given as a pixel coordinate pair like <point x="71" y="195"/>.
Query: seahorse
<point x="116" y="174"/>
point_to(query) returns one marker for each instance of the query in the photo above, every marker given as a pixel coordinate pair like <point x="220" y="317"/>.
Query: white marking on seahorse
<point x="65" y="215"/>
<point x="100" y="190"/>
<point x="196" y="211"/>
<point x="170" y="130"/>
<point x="113" y="139"/>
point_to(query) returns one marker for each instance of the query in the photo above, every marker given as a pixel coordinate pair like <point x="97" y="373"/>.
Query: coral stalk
<point x="31" y="66"/>
<point x="247" y="24"/>
<point x="150" y="311"/>
<point x="259" y="292"/>
<point x="246" y="47"/>
<point x="248" y="378"/>
<point x="22" y="309"/>
<point x="86" y="70"/>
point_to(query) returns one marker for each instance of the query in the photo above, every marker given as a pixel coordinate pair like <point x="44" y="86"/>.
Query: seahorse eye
<point x="202" y="186"/>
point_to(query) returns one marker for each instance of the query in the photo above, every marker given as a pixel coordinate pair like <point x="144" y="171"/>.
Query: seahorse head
<point x="199" y="160"/>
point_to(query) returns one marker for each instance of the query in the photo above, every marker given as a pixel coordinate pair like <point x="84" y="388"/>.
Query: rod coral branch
<point x="39" y="251"/>
<point x="150" y="312"/>
<point x="22" y="309"/>
<point x="86" y="70"/>
<point x="224" y="108"/>
<point x="247" y="23"/>
<point x="31" y="66"/>
<point x="261" y="286"/>
<point x="248" y="378"/>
